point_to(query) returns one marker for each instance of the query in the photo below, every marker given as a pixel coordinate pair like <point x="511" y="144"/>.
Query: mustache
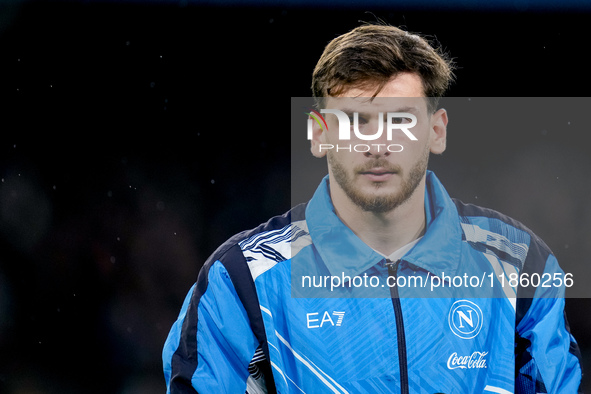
<point x="378" y="163"/>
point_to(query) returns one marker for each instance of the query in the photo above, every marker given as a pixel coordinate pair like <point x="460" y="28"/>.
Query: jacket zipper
<point x="402" y="361"/>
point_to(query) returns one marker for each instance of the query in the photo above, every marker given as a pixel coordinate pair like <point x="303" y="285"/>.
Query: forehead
<point x="402" y="91"/>
<point x="401" y="85"/>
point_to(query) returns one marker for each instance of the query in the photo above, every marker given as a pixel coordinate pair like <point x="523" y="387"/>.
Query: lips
<point x="378" y="174"/>
<point x="378" y="171"/>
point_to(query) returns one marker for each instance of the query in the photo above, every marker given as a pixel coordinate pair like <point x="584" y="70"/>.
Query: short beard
<point x="380" y="204"/>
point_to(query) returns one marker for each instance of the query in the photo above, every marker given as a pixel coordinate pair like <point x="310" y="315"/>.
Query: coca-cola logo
<point x="475" y="360"/>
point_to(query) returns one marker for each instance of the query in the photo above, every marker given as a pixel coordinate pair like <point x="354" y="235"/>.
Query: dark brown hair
<point x="372" y="55"/>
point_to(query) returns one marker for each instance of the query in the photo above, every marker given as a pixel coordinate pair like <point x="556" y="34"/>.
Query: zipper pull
<point x="392" y="266"/>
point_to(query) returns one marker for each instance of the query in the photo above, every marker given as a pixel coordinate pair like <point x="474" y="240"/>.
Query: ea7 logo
<point x="315" y="321"/>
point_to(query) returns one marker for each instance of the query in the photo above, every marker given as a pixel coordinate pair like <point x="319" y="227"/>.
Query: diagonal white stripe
<point x="268" y="312"/>
<point x="307" y="364"/>
<point x="331" y="379"/>
<point x="279" y="370"/>
<point x="285" y="376"/>
<point x="499" y="390"/>
<point x="274" y="347"/>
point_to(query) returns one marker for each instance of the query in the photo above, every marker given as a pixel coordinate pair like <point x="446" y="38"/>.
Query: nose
<point x="377" y="146"/>
<point x="377" y="150"/>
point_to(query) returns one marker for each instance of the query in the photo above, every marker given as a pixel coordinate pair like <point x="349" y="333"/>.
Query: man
<point x="317" y="300"/>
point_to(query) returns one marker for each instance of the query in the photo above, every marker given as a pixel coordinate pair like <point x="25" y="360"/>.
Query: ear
<point x="438" y="131"/>
<point x="318" y="138"/>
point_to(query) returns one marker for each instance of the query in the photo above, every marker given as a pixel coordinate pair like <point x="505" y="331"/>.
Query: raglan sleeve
<point x="211" y="344"/>
<point x="547" y="355"/>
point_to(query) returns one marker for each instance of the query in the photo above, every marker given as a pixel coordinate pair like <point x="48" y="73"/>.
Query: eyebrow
<point x="410" y="109"/>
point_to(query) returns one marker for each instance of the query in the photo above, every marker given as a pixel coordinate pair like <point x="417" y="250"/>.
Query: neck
<point x="385" y="232"/>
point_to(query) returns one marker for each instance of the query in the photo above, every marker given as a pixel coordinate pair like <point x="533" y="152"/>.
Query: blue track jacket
<point x="301" y="305"/>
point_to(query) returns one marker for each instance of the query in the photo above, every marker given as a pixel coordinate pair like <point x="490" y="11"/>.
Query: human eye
<point x="401" y="120"/>
<point x="362" y="120"/>
<point x="355" y="118"/>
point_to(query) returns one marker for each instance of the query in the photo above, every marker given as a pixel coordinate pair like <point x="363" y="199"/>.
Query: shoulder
<point x="471" y="210"/>
<point x="509" y="240"/>
<point x="231" y="253"/>
<point x="229" y="264"/>
<point x="489" y="221"/>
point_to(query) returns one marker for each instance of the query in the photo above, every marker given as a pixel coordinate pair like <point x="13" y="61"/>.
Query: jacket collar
<point x="344" y="253"/>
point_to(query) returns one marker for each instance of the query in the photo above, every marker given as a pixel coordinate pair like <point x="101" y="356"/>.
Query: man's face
<point x="376" y="178"/>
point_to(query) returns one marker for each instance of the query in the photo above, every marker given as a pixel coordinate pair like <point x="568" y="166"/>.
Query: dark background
<point x="138" y="136"/>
